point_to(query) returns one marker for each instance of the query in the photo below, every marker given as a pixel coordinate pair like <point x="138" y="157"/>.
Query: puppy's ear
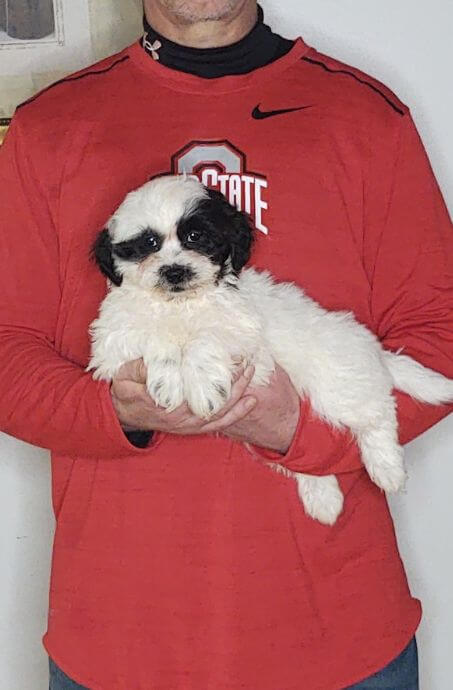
<point x="242" y="240"/>
<point x="102" y="254"/>
<point x="239" y="230"/>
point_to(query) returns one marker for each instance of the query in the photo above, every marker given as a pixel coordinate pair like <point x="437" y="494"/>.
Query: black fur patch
<point x="138" y="247"/>
<point x="135" y="249"/>
<point x="218" y="230"/>
<point x="102" y="253"/>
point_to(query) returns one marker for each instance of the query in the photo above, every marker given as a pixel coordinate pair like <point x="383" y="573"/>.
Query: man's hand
<point x="137" y="410"/>
<point x="272" y="422"/>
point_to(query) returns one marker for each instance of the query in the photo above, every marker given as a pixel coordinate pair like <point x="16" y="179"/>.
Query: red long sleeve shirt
<point x="189" y="564"/>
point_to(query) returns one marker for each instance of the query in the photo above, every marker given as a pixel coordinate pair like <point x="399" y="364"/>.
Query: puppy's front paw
<point x="205" y="394"/>
<point x="321" y="496"/>
<point x="164" y="383"/>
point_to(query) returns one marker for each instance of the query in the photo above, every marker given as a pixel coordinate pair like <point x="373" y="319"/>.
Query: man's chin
<point x="193" y="11"/>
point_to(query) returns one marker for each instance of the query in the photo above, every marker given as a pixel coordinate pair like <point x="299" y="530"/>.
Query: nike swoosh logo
<point x="258" y="114"/>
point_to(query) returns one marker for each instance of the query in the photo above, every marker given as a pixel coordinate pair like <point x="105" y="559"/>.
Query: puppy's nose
<point x="175" y="273"/>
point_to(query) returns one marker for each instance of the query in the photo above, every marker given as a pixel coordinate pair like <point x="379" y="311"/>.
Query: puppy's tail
<point x="418" y="381"/>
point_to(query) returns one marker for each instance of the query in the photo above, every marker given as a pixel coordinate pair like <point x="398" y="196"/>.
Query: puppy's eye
<point x="194" y="236"/>
<point x="153" y="243"/>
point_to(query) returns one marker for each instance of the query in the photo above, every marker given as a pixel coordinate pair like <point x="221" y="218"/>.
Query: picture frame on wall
<point x="43" y="42"/>
<point x="35" y="47"/>
<point x="24" y="23"/>
<point x="4" y="124"/>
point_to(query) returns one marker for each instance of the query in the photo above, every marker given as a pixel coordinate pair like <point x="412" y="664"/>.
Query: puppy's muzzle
<point x="175" y="274"/>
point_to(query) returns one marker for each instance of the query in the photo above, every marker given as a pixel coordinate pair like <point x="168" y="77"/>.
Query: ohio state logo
<point x="220" y="165"/>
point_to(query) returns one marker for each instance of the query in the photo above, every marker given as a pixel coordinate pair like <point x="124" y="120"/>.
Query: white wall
<point x="407" y="45"/>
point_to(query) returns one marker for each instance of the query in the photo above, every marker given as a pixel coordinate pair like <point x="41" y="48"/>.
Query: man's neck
<point x="204" y="34"/>
<point x="257" y="48"/>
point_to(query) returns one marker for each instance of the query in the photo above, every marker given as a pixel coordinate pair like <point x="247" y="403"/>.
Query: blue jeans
<point x="400" y="674"/>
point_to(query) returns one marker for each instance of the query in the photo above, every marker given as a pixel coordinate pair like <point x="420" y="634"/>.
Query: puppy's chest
<point x="177" y="326"/>
<point x="237" y="331"/>
<point x="231" y="322"/>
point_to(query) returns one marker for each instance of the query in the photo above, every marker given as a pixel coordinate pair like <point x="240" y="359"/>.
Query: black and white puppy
<point x="178" y="296"/>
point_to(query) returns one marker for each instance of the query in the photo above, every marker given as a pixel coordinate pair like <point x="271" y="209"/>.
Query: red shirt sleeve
<point x="408" y="257"/>
<point x="45" y="399"/>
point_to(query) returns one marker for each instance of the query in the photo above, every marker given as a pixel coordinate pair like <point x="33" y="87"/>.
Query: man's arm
<point x="408" y="256"/>
<point x="45" y="399"/>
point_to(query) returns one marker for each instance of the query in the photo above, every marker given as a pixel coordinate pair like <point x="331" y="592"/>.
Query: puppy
<point x="178" y="296"/>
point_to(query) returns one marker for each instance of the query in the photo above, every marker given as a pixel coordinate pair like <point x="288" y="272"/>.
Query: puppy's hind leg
<point x="321" y="496"/>
<point x="382" y="456"/>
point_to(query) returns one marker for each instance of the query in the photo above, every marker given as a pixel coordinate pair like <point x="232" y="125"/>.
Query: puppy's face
<point x="175" y="237"/>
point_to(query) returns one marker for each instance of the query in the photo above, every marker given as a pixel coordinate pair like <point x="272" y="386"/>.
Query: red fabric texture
<point x="189" y="564"/>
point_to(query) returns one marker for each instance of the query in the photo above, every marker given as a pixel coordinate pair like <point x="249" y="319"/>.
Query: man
<point x="188" y="564"/>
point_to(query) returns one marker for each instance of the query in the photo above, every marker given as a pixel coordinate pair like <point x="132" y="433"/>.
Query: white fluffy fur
<point x="155" y="204"/>
<point x="192" y="342"/>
